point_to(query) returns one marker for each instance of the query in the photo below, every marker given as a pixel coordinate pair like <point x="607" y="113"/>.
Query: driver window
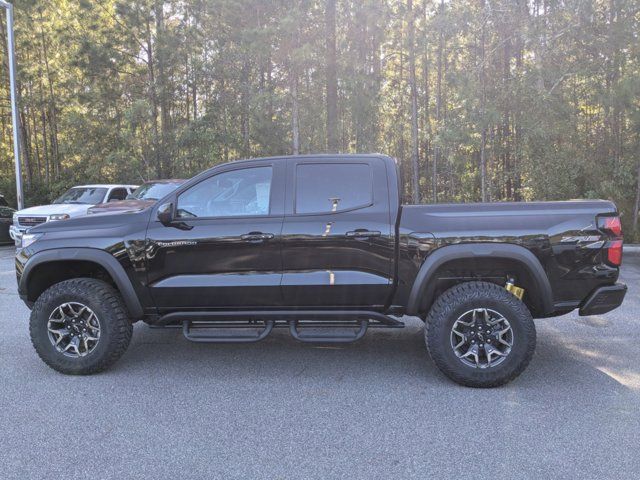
<point x="235" y="193"/>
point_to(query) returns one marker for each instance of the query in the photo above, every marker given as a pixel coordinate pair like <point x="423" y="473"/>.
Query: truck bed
<point x="563" y="235"/>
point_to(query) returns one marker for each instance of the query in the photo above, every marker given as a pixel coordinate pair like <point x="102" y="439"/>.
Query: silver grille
<point x="30" y="221"/>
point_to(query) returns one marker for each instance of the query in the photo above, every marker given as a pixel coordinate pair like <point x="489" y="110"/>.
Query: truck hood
<point x="73" y="210"/>
<point x="92" y="225"/>
<point x="121" y="206"/>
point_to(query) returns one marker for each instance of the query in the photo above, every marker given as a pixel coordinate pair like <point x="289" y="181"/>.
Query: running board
<point x="295" y="328"/>
<point x="309" y="326"/>
<point x="189" y="329"/>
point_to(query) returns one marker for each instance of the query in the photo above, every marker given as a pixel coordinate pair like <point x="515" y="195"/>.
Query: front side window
<point x="242" y="192"/>
<point x="88" y="195"/>
<point x="332" y="187"/>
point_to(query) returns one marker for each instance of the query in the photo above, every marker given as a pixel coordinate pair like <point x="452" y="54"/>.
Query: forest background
<point x="479" y="100"/>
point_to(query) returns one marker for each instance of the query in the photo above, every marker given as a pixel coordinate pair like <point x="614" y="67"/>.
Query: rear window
<point x="332" y="187"/>
<point x="83" y="195"/>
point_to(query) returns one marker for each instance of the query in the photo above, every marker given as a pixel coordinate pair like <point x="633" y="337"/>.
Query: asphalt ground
<point x="377" y="409"/>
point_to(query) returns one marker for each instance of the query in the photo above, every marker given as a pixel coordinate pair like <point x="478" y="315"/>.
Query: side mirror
<point x="165" y="214"/>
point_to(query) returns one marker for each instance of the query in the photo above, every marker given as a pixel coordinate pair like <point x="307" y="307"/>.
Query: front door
<point x="337" y="238"/>
<point x="224" y="251"/>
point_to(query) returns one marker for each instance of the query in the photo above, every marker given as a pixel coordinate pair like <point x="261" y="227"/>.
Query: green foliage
<point x="543" y="93"/>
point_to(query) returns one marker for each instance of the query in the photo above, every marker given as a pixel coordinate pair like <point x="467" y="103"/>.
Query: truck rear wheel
<point x="480" y="335"/>
<point x="80" y="326"/>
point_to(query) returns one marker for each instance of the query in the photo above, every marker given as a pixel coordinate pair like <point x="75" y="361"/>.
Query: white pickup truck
<point x="73" y="203"/>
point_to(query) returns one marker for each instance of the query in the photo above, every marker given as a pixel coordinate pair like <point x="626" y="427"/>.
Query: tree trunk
<point x="331" y="76"/>
<point x="415" y="177"/>
<point x="295" y="125"/>
<point x="483" y="100"/>
<point x="437" y="150"/>
<point x="164" y="94"/>
<point x="153" y="99"/>
<point x="53" y="109"/>
<point x="244" y="114"/>
<point x="426" y="149"/>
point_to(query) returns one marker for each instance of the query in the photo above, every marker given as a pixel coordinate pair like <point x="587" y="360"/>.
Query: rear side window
<point x="332" y="187"/>
<point x="118" y="194"/>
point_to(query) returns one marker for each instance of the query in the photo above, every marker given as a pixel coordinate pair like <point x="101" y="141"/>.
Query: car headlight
<point x="15" y="219"/>
<point x="29" y="238"/>
<point x="58" y="216"/>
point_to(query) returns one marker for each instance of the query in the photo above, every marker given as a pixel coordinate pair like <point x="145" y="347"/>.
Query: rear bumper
<point x="604" y="299"/>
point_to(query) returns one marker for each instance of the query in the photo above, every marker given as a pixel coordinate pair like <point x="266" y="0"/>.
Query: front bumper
<point x="604" y="299"/>
<point x="16" y="233"/>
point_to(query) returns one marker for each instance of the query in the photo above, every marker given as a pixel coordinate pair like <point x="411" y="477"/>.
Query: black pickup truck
<point x="320" y="245"/>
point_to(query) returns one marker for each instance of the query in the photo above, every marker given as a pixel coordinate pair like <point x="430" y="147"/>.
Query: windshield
<point x="153" y="191"/>
<point x="88" y="195"/>
<point x="3" y="202"/>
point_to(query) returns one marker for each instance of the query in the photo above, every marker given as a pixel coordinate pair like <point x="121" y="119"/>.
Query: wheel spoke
<point x="75" y="341"/>
<point x="503" y="341"/>
<point x="472" y="352"/>
<point x="460" y="334"/>
<point x="60" y="338"/>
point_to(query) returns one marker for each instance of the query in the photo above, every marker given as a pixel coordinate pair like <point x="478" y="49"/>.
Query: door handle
<point x="361" y="233"/>
<point x="256" y="237"/>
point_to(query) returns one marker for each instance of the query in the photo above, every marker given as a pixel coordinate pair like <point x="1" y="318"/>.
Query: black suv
<point x="322" y="246"/>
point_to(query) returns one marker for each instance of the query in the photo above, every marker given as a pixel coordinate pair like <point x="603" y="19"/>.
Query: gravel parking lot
<point x="280" y="409"/>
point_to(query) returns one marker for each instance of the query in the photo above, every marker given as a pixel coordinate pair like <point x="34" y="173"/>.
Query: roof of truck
<point x="335" y="156"/>
<point x="104" y="185"/>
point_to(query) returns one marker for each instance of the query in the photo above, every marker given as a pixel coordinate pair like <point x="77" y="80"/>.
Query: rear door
<point x="337" y="241"/>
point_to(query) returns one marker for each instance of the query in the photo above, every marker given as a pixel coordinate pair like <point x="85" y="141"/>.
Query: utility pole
<point x="11" y="61"/>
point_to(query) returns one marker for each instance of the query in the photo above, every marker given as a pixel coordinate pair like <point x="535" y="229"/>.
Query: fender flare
<point x="102" y="258"/>
<point x="423" y="289"/>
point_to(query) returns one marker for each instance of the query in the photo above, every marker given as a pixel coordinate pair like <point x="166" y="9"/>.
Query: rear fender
<point x="423" y="290"/>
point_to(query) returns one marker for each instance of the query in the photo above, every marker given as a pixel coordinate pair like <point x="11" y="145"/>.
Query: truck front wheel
<point x="80" y="326"/>
<point x="480" y="335"/>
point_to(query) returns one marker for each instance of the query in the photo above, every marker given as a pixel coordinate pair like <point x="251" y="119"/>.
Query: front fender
<point x="423" y="289"/>
<point x="100" y="257"/>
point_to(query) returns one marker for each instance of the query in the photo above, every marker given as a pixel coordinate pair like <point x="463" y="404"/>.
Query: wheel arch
<point x="52" y="266"/>
<point x="424" y="289"/>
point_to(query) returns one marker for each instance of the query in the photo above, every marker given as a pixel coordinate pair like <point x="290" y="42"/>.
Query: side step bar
<point x="324" y="337"/>
<point x="343" y="326"/>
<point x="188" y="329"/>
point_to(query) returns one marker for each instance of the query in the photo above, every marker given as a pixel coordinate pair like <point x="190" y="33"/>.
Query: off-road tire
<point x="467" y="296"/>
<point x="105" y="302"/>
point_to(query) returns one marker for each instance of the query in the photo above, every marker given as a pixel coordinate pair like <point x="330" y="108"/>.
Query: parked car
<point x="6" y="216"/>
<point x="322" y="246"/>
<point x="73" y="203"/>
<point x="3" y="201"/>
<point x="144" y="196"/>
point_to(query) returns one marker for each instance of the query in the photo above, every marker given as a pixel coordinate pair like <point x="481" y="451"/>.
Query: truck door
<point x="337" y="238"/>
<point x="225" y="250"/>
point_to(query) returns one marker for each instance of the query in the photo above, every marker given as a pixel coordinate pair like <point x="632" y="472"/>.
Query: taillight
<point x="611" y="225"/>
<point x="614" y="253"/>
<point x="613" y="228"/>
